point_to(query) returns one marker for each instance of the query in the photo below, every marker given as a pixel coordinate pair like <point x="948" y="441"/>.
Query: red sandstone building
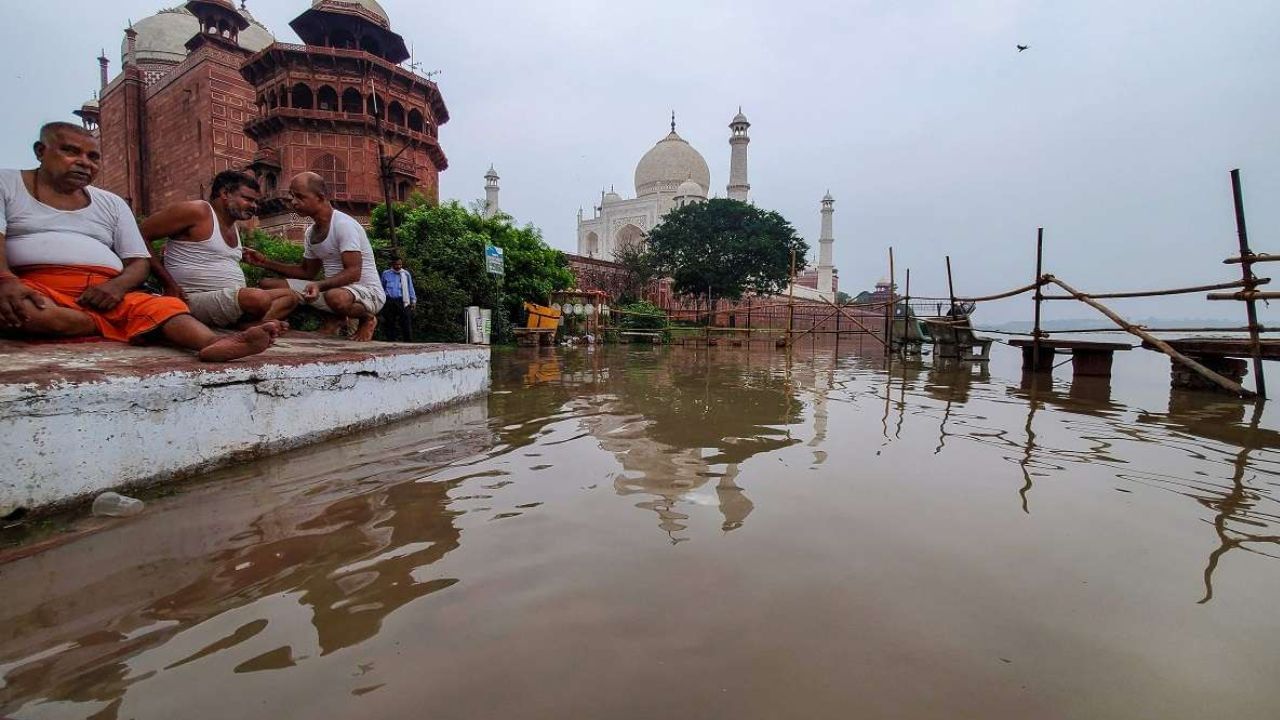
<point x="205" y="87"/>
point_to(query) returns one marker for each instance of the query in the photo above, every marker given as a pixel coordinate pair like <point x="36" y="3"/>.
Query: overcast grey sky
<point x="1115" y="131"/>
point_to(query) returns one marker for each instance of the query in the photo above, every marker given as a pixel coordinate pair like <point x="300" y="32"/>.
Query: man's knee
<point x="284" y="298"/>
<point x="254" y="302"/>
<point x="341" y="302"/>
<point x="273" y="284"/>
<point x="55" y="320"/>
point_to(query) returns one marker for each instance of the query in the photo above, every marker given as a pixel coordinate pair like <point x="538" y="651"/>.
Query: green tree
<point x="639" y="269"/>
<point x="443" y="247"/>
<point x="843" y="298"/>
<point x="724" y="248"/>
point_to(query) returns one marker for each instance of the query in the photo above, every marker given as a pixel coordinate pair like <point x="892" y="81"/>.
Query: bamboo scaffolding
<point x="1036" y="332"/>
<point x="1150" y="329"/>
<point x="893" y="310"/>
<point x="1246" y="295"/>
<point x="865" y="330"/>
<point x="1164" y="347"/>
<point x="987" y="298"/>
<point x="1252" y="258"/>
<point x="1250" y="293"/>
<point x="1158" y="293"/>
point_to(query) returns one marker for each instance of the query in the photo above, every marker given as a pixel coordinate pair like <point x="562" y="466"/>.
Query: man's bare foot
<point x="331" y="325"/>
<point x="274" y="327"/>
<point x="242" y="344"/>
<point x="364" y="331"/>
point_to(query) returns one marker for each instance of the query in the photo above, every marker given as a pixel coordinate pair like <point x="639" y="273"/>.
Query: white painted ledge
<point x="82" y="418"/>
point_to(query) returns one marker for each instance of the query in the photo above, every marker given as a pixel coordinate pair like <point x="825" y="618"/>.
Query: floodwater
<point x="695" y="533"/>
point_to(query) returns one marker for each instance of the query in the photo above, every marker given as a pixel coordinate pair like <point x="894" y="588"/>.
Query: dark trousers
<point x="397" y="320"/>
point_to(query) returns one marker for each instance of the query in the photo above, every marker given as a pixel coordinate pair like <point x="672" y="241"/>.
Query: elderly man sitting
<point x="71" y="256"/>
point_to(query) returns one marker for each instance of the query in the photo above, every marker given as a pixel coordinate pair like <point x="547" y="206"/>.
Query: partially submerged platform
<point x="1088" y="357"/>
<point x="1226" y="356"/>
<point x="81" y="418"/>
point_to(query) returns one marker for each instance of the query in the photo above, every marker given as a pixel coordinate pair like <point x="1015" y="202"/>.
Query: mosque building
<point x="672" y="174"/>
<point x="205" y="87"/>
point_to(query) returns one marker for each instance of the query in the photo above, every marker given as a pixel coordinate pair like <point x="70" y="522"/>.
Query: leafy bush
<point x="443" y="248"/>
<point x="275" y="248"/>
<point x="641" y="316"/>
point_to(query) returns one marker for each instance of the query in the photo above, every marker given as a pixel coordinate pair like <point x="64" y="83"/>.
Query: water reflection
<point x="276" y="572"/>
<point x="273" y="549"/>
<point x="1237" y="521"/>
<point x="675" y="422"/>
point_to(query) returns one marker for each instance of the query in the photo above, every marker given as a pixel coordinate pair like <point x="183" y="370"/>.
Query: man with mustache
<point x="71" y="258"/>
<point x="200" y="263"/>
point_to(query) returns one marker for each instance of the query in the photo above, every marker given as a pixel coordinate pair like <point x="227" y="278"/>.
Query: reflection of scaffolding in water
<point x="1091" y="397"/>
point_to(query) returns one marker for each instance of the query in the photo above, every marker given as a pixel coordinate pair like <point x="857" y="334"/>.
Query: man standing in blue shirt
<point x="397" y="315"/>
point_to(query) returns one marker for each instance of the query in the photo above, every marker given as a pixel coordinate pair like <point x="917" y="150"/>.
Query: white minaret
<point x="738" y="140"/>
<point x="825" y="241"/>
<point x="490" y="193"/>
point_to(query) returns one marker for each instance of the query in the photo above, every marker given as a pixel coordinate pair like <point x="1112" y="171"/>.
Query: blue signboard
<point x="493" y="259"/>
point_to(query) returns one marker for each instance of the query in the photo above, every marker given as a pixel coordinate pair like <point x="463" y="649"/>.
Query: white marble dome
<point x="668" y="164"/>
<point x="162" y="38"/>
<point x="690" y="189"/>
<point x="370" y="5"/>
<point x="610" y="198"/>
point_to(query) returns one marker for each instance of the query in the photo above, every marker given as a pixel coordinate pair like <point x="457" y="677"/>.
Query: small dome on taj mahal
<point x="690" y="189"/>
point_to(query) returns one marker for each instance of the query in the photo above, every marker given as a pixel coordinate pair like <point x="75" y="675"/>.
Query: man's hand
<point x="175" y="290"/>
<point x="14" y="296"/>
<point x="101" y="297"/>
<point x="254" y="257"/>
<point x="311" y="292"/>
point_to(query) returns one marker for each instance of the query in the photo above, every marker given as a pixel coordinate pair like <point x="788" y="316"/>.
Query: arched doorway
<point x="629" y="236"/>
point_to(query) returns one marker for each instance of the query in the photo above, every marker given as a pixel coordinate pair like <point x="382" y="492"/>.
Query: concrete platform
<point x="80" y="418"/>
<point x="1088" y="357"/>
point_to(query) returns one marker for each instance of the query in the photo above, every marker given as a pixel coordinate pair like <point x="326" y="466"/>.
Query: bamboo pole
<point x="951" y="287"/>
<point x="1250" y="292"/>
<point x="791" y="299"/>
<point x="893" y="310"/>
<point x="1206" y="373"/>
<point x="906" y="311"/>
<point x="1172" y="291"/>
<point x="865" y="330"/>
<point x="1252" y="258"/>
<point x="1247" y="295"/>
<point x="1036" y="334"/>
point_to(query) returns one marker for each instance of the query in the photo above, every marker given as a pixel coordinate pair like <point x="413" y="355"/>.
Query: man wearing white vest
<point x="200" y="263"/>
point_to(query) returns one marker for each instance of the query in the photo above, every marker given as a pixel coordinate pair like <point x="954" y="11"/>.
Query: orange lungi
<point x="137" y="314"/>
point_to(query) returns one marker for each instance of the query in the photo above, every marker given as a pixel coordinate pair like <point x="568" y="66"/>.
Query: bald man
<point x="337" y="244"/>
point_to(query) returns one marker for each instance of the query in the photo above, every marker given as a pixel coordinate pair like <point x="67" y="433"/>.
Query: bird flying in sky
<point x="1023" y="47"/>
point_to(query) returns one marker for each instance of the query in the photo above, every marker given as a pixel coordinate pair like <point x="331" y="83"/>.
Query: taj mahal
<point x="672" y="174"/>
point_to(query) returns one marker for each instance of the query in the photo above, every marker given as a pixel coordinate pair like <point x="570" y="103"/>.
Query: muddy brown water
<point x="695" y="533"/>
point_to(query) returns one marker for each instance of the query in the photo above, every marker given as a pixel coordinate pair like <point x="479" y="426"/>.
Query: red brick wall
<point x="195" y="127"/>
<point x="119" y="128"/>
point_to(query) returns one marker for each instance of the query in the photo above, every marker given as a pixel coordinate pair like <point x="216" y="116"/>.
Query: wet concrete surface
<point x="681" y="532"/>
